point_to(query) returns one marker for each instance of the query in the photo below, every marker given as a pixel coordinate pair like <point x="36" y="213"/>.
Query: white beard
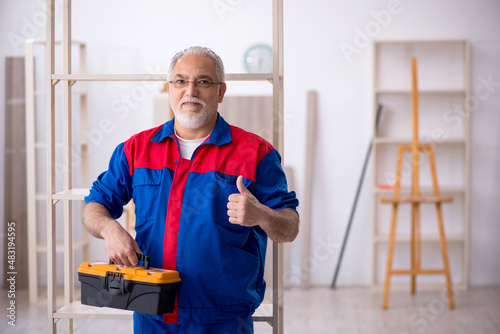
<point x="196" y="120"/>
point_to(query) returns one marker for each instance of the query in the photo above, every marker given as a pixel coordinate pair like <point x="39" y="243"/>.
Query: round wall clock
<point x="259" y="59"/>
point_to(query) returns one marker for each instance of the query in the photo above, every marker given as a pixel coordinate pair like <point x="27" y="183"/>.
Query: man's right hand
<point x="120" y="246"/>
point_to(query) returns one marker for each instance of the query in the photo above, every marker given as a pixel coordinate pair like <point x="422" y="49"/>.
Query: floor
<point x="323" y="310"/>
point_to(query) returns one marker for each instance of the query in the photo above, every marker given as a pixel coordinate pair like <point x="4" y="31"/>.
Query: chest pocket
<point x="223" y="187"/>
<point x="146" y="193"/>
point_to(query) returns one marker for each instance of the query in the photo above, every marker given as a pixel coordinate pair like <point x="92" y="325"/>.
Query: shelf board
<point x="420" y="287"/>
<point x="42" y="247"/>
<point x="76" y="310"/>
<point x="42" y="41"/>
<point x="421" y="41"/>
<point x="72" y="194"/>
<point x="418" y="199"/>
<point x="79" y="143"/>
<point x="420" y="91"/>
<point x="153" y="77"/>
<point x="381" y="238"/>
<point x="264" y="313"/>
<point x="406" y="141"/>
<point x="457" y="190"/>
<point x="249" y="77"/>
<point x="58" y="92"/>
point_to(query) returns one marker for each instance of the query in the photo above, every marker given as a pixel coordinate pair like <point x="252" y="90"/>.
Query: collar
<point x="221" y="134"/>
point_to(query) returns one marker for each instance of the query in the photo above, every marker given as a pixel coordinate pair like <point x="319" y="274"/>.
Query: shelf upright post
<point x="50" y="162"/>
<point x="84" y="143"/>
<point x="375" y="229"/>
<point x="466" y="181"/>
<point x="278" y="104"/>
<point x="29" y="73"/>
<point x="67" y="162"/>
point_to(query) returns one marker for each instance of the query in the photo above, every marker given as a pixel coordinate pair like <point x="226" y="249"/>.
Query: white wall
<point x="134" y="37"/>
<point x="314" y="61"/>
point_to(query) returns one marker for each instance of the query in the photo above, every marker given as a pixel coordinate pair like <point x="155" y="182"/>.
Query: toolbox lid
<point x="133" y="273"/>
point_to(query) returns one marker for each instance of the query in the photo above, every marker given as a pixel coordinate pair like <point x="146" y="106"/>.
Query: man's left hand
<point x="243" y="208"/>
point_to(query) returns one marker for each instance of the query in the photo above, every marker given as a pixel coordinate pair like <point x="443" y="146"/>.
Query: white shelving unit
<point x="443" y="122"/>
<point x="72" y="308"/>
<point x="34" y="143"/>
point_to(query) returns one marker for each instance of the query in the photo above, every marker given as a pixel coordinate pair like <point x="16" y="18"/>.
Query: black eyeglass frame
<point x="197" y="83"/>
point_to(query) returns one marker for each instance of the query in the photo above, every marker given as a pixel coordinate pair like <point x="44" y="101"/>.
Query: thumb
<point x="136" y="248"/>
<point x="241" y="187"/>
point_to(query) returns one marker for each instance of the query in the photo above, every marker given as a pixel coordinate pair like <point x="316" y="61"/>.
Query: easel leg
<point x="392" y="233"/>
<point x="442" y="238"/>
<point x="444" y="250"/>
<point x="390" y="252"/>
<point x="413" y="247"/>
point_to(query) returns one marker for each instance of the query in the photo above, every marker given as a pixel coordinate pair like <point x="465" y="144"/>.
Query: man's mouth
<point x="192" y="104"/>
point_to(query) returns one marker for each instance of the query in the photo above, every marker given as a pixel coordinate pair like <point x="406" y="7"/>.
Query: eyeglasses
<point x="181" y="83"/>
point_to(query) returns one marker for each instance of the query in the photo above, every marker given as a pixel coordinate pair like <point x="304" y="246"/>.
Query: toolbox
<point x="140" y="289"/>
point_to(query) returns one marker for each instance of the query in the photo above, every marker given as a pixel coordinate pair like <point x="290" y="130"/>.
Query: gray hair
<point x="200" y="51"/>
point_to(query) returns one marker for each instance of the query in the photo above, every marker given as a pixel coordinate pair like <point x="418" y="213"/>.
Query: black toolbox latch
<point x="114" y="283"/>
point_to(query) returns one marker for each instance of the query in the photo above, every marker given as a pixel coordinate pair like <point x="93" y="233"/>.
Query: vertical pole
<point x="67" y="158"/>
<point x="414" y="147"/>
<point x="29" y="73"/>
<point x="50" y="162"/>
<point x="466" y="177"/>
<point x="306" y="214"/>
<point x="84" y="144"/>
<point x="415" y="168"/>
<point x="83" y="115"/>
<point x="374" y="244"/>
<point x="278" y="103"/>
<point x="278" y="98"/>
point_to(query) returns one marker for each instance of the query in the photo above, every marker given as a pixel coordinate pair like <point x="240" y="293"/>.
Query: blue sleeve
<point x="113" y="188"/>
<point x="270" y="187"/>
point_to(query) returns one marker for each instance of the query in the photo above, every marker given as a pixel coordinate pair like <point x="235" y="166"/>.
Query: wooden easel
<point x="415" y="200"/>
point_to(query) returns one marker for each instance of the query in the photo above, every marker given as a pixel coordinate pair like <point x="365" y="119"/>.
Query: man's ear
<point x="222" y="91"/>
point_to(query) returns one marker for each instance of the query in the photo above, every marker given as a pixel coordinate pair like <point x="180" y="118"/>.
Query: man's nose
<point x="191" y="89"/>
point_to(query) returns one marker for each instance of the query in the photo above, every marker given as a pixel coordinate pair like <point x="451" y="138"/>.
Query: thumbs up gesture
<point x="243" y="208"/>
